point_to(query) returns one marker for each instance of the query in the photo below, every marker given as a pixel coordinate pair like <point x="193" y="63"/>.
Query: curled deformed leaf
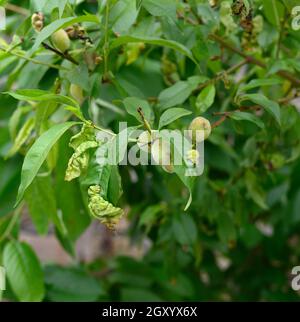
<point x="226" y="17"/>
<point x="107" y="213"/>
<point x="87" y="133"/>
<point x="81" y="143"/>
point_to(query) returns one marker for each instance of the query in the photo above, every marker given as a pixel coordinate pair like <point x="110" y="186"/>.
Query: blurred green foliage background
<point x="239" y="240"/>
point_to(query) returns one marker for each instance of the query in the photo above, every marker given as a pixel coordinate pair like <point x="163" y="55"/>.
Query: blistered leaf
<point x="102" y="209"/>
<point x="87" y="133"/>
<point x="81" y="143"/>
<point x="226" y="17"/>
<point x="79" y="160"/>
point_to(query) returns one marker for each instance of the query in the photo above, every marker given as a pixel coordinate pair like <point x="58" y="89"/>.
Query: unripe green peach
<point x="161" y="152"/>
<point x="199" y="124"/>
<point x="77" y="93"/>
<point x="192" y="157"/>
<point x="39" y="25"/>
<point x="61" y="40"/>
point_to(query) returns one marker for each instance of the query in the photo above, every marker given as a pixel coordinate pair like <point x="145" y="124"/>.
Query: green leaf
<point x="98" y="173"/>
<point x="16" y="118"/>
<point x="181" y="169"/>
<point x="290" y="4"/>
<point x="114" y="185"/>
<point x="274" y="11"/>
<point x="179" y="92"/>
<point x="153" y="41"/>
<point x="150" y="214"/>
<point x="138" y="294"/>
<point x="43" y="111"/>
<point x="270" y="106"/>
<point x="23" y="271"/>
<point x="244" y="116"/>
<point x="185" y="230"/>
<point x="259" y="83"/>
<point x="71" y="284"/>
<point x="254" y="190"/>
<point x="40" y="95"/>
<point x="295" y="63"/>
<point x="59" y="24"/>
<point x="41" y="202"/>
<point x="158" y="8"/>
<point x="171" y="115"/>
<point x="74" y="218"/>
<point x="78" y="75"/>
<point x="226" y="229"/>
<point x="22" y="136"/>
<point x="37" y="155"/>
<point x="133" y="103"/>
<point x="76" y="111"/>
<point x="123" y="15"/>
<point x="54" y="4"/>
<point x="206" y="98"/>
<point x="189" y="182"/>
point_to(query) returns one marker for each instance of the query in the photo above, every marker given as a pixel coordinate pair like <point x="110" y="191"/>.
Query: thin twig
<point x="17" y="9"/>
<point x="224" y="115"/>
<point x="12" y="222"/>
<point x="220" y="75"/>
<point x="287" y="75"/>
<point x="188" y="19"/>
<point x="102" y="130"/>
<point x="34" y="61"/>
<point x="63" y="55"/>
<point x="146" y="124"/>
<point x="281" y="33"/>
<point x="220" y="121"/>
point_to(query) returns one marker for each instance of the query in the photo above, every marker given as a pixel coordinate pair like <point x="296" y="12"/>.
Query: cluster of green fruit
<point x="62" y="43"/>
<point x="60" y="39"/>
<point x="161" y="152"/>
